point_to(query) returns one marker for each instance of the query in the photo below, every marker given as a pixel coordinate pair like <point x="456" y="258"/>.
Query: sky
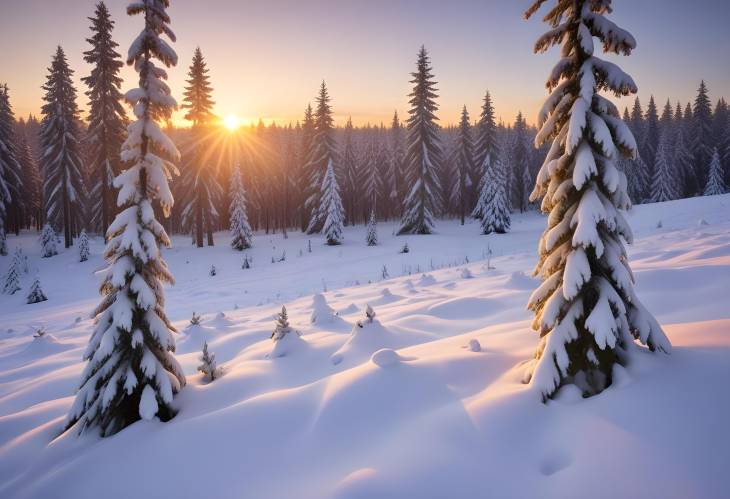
<point x="268" y="57"/>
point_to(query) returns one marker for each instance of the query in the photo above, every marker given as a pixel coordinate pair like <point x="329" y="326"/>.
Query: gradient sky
<point x="267" y="57"/>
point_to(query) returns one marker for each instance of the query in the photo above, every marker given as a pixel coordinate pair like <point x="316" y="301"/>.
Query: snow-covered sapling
<point x="371" y="237"/>
<point x="212" y="271"/>
<point x="195" y="319"/>
<point x="715" y="182"/>
<point x="246" y="263"/>
<point x="48" y="241"/>
<point x="333" y="213"/>
<point x="309" y="245"/>
<point x="282" y="327"/>
<point x="384" y="272"/>
<point x="35" y="294"/>
<point x="12" y="278"/>
<point x="241" y="234"/>
<point x="83" y="246"/>
<point x="405" y="248"/>
<point x="282" y="258"/>
<point x="40" y="332"/>
<point x="208" y="366"/>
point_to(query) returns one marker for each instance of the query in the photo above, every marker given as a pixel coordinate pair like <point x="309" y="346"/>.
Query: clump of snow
<point x="466" y="273"/>
<point x="321" y="311"/>
<point x="426" y="280"/>
<point x="385" y="357"/>
<point x="474" y="345"/>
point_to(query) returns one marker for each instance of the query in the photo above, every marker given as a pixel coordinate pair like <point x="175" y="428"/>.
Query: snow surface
<point x="424" y="402"/>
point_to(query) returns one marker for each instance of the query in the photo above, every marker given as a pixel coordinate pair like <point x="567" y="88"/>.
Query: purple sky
<point x="267" y="57"/>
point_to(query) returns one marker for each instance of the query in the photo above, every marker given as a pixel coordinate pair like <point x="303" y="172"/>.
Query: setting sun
<point x="231" y="122"/>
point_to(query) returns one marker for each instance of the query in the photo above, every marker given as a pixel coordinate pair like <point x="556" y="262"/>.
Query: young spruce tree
<point x="586" y="310"/>
<point x="423" y="155"/>
<point x="107" y="117"/>
<point x="241" y="235"/>
<point x="715" y="181"/>
<point x="132" y="373"/>
<point x="331" y="207"/>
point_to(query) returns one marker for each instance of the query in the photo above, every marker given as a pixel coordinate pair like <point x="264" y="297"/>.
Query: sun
<point x="231" y="122"/>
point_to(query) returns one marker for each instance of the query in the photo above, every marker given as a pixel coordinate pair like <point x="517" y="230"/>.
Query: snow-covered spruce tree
<point x="493" y="204"/>
<point x="83" y="246"/>
<point x="715" y="181"/>
<point x="3" y="242"/>
<point x="48" y="241"/>
<point x="586" y="309"/>
<point x="649" y="145"/>
<point x="208" y="365"/>
<point x="31" y="179"/>
<point x="241" y="235"/>
<point x="683" y="165"/>
<point x="349" y="167"/>
<point x="702" y="140"/>
<point x="485" y="150"/>
<point x="464" y="164"/>
<point x="663" y="183"/>
<point x="305" y="173"/>
<point x="199" y="182"/>
<point x="371" y="236"/>
<point x="63" y="187"/>
<point x="12" y="204"/>
<point x="395" y="160"/>
<point x="322" y="152"/>
<point x="423" y="156"/>
<point x="35" y="293"/>
<point x="107" y="117"/>
<point x="11" y="283"/>
<point x="334" y="214"/>
<point x="131" y="372"/>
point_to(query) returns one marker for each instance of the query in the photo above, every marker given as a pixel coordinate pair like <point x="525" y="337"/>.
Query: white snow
<point x="426" y="401"/>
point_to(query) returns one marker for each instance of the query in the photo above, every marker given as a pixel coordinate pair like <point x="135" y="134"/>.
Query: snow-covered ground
<point x="441" y="414"/>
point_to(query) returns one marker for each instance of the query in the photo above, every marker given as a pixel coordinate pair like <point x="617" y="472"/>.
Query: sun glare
<point x="231" y="122"/>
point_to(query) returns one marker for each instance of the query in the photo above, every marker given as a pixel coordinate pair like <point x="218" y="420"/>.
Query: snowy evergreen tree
<point x="132" y="373"/>
<point x="664" y="182"/>
<point x="519" y="180"/>
<point x="684" y="166"/>
<point x="208" y="365"/>
<point x="282" y="327"/>
<point x="321" y="153"/>
<point x="63" y="188"/>
<point x="12" y="278"/>
<point x="83" y="246"/>
<point x="241" y="234"/>
<point x="31" y="180"/>
<point x="305" y="173"/>
<point x="585" y="310"/>
<point x="11" y="186"/>
<point x="48" y="242"/>
<point x="464" y="164"/>
<point x="35" y="293"/>
<point x="715" y="181"/>
<point x="396" y="159"/>
<point x="492" y="203"/>
<point x="485" y="150"/>
<point x="3" y="242"/>
<point x="702" y="138"/>
<point x="371" y="237"/>
<point x="107" y="117"/>
<point x="331" y="206"/>
<point x="423" y="154"/>
<point x="650" y="141"/>
<point x="349" y="172"/>
<point x="199" y="183"/>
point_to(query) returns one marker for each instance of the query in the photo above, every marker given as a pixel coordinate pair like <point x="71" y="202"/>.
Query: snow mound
<point x="290" y="344"/>
<point x="321" y="311"/>
<point x="466" y="273"/>
<point x="47" y="344"/>
<point x="464" y="308"/>
<point x="386" y="357"/>
<point x="518" y="280"/>
<point x="426" y="280"/>
<point x="350" y="309"/>
<point x="386" y="297"/>
<point x="193" y="337"/>
<point x="365" y="339"/>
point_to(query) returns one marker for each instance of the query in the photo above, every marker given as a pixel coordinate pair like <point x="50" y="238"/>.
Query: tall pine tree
<point x="585" y="310"/>
<point x="464" y="164"/>
<point x="200" y="188"/>
<point x="63" y="188"/>
<point x="107" y="117"/>
<point x="423" y="157"/>
<point x="485" y="148"/>
<point x="702" y="137"/>
<point x="132" y="373"/>
<point x="11" y="175"/>
<point x="322" y="151"/>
